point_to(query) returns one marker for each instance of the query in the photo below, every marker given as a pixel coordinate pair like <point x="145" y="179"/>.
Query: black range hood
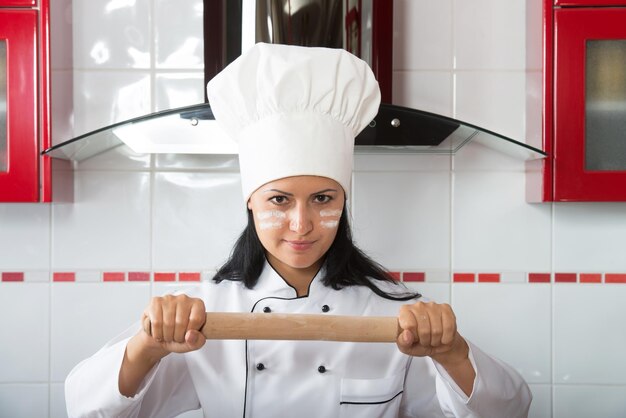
<point x="193" y="130"/>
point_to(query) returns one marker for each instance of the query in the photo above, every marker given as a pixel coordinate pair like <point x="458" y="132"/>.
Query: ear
<point x="249" y="205"/>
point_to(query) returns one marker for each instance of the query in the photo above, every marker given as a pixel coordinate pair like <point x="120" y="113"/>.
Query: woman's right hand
<point x="172" y="324"/>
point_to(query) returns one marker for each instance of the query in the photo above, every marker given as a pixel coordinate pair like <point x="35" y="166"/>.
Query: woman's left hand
<point x="429" y="329"/>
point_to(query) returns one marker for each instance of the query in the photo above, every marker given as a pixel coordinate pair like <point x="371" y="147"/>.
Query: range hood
<point x="193" y="130"/>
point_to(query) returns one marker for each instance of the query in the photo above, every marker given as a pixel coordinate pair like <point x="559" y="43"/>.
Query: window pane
<point x="3" y="106"/>
<point x="605" y="105"/>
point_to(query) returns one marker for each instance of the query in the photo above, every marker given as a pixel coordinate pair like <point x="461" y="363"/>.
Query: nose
<point x="300" y="220"/>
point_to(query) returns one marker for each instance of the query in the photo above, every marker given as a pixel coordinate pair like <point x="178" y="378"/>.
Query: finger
<point x="182" y="320"/>
<point x="194" y="339"/>
<point x="155" y="313"/>
<point x="169" y="319"/>
<point x="408" y="322"/>
<point x="423" y="328"/>
<point x="146" y="325"/>
<point x="405" y="340"/>
<point x="448" y="321"/>
<point x="436" y="326"/>
<point x="197" y="316"/>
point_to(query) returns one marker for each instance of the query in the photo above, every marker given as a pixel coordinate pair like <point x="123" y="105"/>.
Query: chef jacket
<point x="246" y="378"/>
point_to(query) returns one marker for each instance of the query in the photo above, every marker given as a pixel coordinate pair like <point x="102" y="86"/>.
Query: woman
<point x="295" y="112"/>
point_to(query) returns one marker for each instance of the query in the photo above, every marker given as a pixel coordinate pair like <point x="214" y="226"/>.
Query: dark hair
<point x="346" y="265"/>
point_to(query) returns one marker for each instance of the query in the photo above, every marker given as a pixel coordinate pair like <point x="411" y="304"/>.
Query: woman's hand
<point x="172" y="323"/>
<point x="429" y="329"/>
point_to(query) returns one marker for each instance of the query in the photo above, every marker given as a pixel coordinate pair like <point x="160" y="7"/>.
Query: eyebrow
<point x="291" y="194"/>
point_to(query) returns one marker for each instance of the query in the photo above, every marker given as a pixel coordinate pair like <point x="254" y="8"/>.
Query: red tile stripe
<point x="414" y="276"/>
<point x="409" y="276"/>
<point x="590" y="278"/>
<point x="113" y="276"/>
<point x="539" y="277"/>
<point x="464" y="277"/>
<point x="614" y="278"/>
<point x="10" y="276"/>
<point x="164" y="277"/>
<point x="138" y="276"/>
<point x="189" y="277"/>
<point x="63" y="276"/>
<point x="565" y="277"/>
<point x="489" y="277"/>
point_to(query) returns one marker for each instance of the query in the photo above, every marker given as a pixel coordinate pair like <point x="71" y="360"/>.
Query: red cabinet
<point x="24" y="127"/>
<point x="584" y="101"/>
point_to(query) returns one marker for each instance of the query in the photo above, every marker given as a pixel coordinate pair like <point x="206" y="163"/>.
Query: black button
<point x="267" y="309"/>
<point x="260" y="366"/>
<point x="325" y="308"/>
<point x="321" y="369"/>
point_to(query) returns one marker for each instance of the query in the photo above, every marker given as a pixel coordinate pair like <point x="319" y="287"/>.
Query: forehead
<point x="301" y="184"/>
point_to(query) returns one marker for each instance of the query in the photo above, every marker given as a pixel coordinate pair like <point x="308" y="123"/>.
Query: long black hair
<point x="346" y="265"/>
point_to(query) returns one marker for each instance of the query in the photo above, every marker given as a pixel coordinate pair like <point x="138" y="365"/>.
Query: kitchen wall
<point x="540" y="286"/>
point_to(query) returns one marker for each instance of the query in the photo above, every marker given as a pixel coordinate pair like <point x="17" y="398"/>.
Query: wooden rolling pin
<point x="276" y="326"/>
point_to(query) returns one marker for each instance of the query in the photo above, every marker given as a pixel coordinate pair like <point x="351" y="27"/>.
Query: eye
<point x="322" y="198"/>
<point x="278" y="200"/>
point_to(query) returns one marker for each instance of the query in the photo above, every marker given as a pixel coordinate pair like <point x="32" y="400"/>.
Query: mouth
<point x="300" y="245"/>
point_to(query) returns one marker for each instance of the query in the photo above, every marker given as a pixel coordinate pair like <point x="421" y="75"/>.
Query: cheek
<point x="270" y="219"/>
<point x="330" y="218"/>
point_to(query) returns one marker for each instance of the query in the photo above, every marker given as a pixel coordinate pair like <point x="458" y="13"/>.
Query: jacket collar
<point x="272" y="284"/>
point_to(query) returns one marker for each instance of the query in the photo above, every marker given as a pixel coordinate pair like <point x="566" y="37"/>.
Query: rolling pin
<point x="276" y="326"/>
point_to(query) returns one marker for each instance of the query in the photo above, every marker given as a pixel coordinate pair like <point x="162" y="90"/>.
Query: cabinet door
<point x="19" y="178"/>
<point x="18" y="3"/>
<point x="590" y="3"/>
<point x="590" y="104"/>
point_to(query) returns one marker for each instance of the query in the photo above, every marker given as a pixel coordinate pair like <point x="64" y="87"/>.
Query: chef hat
<point x="294" y="111"/>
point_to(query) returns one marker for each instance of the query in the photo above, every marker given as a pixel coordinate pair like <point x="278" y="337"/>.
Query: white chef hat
<point x="294" y="111"/>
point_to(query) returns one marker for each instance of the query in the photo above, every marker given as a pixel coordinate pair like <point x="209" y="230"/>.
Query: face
<point x="296" y="219"/>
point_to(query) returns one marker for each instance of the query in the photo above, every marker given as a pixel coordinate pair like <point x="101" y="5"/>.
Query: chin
<point x="300" y="262"/>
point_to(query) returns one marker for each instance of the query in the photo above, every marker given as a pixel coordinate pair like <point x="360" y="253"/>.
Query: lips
<point x="300" y="245"/>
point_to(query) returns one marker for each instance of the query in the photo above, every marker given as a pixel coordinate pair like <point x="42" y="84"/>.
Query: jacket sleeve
<point x="499" y="391"/>
<point x="91" y="388"/>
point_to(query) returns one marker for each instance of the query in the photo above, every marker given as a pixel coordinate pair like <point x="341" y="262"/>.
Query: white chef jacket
<point x="245" y="379"/>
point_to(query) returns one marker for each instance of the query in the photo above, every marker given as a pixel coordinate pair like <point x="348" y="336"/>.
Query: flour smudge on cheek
<point x="330" y="218"/>
<point x="271" y="219"/>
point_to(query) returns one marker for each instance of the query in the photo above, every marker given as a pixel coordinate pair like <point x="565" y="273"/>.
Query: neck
<point x="298" y="278"/>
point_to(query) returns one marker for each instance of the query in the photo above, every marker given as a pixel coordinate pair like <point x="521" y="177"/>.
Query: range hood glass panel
<point x="193" y="130"/>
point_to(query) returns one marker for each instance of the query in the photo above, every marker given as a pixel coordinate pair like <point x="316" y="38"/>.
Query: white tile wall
<point x="430" y="91"/>
<point x="112" y="34"/>
<point x="106" y="97"/>
<point x="23" y="400"/>
<point x="25" y="330"/>
<point x="541" y="406"/>
<point x="582" y="401"/>
<point x="108" y="224"/>
<point x="589" y="236"/>
<point x="178" y="34"/>
<point x="197" y="219"/>
<point x="589" y="334"/>
<point x="493" y="100"/>
<point x="410" y="210"/>
<point x="24" y="236"/>
<point x="57" y="401"/>
<point x="510" y="322"/>
<point x="489" y="34"/>
<point x="87" y="315"/>
<point x="416" y="23"/>
<point x="178" y="89"/>
<point x="495" y="227"/>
